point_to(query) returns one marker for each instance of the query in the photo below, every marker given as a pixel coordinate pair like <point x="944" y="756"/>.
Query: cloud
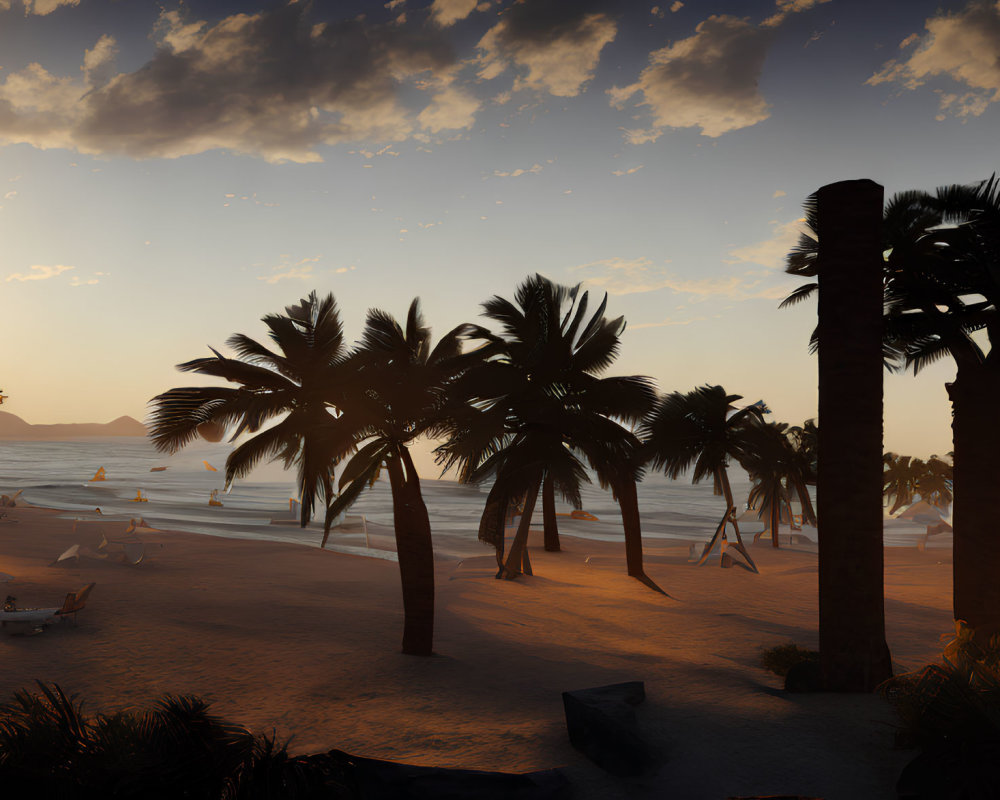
<point x="270" y="84"/>
<point x="42" y="7"/>
<point x="629" y="171"/>
<point x="447" y="12"/>
<point x="450" y="109"/>
<point x="98" y="64"/>
<point x="553" y="46"/>
<point x="619" y="276"/>
<point x="666" y="322"/>
<point x="779" y="193"/>
<point x="677" y="6"/>
<point x="962" y="46"/>
<point x="39" y="272"/>
<point x="517" y="173"/>
<point x="707" y="81"/>
<point x="771" y="252"/>
<point x="301" y="270"/>
<point x="710" y="80"/>
<point x="787" y="7"/>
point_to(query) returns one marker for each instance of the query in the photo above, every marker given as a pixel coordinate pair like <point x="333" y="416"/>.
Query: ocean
<point x="58" y="475"/>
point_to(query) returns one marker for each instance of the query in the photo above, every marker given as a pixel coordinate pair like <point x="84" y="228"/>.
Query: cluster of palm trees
<point x="525" y="407"/>
<point x="906" y="477"/>
<point x="941" y="290"/>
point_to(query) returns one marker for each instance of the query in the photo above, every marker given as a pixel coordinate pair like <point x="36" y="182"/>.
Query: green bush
<point x="782" y="658"/>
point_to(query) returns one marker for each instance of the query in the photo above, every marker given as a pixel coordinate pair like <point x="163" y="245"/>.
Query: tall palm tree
<point x="397" y="391"/>
<point x="364" y="406"/>
<point x="294" y="382"/>
<point x="941" y="288"/>
<point x="701" y="430"/>
<point x="538" y="402"/>
<point x="853" y="651"/>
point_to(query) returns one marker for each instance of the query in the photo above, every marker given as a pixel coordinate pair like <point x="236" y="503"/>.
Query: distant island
<point x="13" y="428"/>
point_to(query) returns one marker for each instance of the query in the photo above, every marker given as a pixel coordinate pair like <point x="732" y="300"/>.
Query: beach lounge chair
<point x="74" y="602"/>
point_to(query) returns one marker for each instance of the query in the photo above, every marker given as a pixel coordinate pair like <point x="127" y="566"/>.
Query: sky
<point x="171" y="172"/>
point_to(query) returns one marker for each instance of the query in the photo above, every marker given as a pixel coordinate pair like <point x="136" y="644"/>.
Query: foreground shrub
<point x="49" y="748"/>
<point x="951" y="711"/>
<point x="782" y="658"/>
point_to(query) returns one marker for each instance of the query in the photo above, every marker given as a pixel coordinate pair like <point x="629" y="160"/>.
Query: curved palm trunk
<point x="517" y="560"/>
<point x="415" y="550"/>
<point x="808" y="512"/>
<point x="976" y="548"/>
<point x="776" y="522"/>
<point x="628" y="501"/>
<point x="550" y="526"/>
<point x="854" y="656"/>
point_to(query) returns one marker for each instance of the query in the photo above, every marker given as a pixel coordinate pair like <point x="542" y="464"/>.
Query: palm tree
<point x="905" y="477"/>
<point x="899" y="480"/>
<point x="941" y="289"/>
<point x="295" y="382"/>
<point x="701" y="430"/>
<point x="366" y="405"/>
<point x="853" y="652"/>
<point x="397" y="391"/>
<point x="935" y="483"/>
<point x="538" y="406"/>
<point x="769" y="460"/>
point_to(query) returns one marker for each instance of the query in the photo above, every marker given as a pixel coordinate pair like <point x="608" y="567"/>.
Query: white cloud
<point x="39" y="272"/>
<point x="98" y="64"/>
<point x="300" y="270"/>
<point x="629" y="171"/>
<point x="450" y="109"/>
<point x="268" y="84"/>
<point x="787" y="7"/>
<point x="517" y="173"/>
<point x="551" y="52"/>
<point x="620" y="276"/>
<point x="448" y="12"/>
<point x="962" y="46"/>
<point x="708" y="80"/>
<point x="43" y="7"/>
<point x="770" y="252"/>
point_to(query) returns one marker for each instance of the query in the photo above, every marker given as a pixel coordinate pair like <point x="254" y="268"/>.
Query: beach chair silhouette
<point x="74" y="602"/>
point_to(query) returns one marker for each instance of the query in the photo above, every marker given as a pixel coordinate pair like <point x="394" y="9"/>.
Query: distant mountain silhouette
<point x="12" y="427"/>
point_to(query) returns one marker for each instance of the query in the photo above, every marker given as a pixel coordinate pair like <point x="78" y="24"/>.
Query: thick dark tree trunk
<point x="416" y="556"/>
<point x="549" y="525"/>
<point x="517" y="559"/>
<point x="853" y="652"/>
<point x="976" y="549"/>
<point x="775" y="522"/>
<point x="628" y="500"/>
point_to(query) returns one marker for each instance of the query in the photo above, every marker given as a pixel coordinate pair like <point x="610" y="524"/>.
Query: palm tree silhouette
<point x="702" y="430"/>
<point x="539" y="410"/>
<point x="941" y="291"/>
<point x="296" y="382"/>
<point x="396" y="391"/>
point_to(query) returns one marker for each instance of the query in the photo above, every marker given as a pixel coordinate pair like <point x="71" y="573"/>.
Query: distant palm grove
<point x="525" y="407"/>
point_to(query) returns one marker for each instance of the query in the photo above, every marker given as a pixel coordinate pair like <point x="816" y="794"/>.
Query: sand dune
<point x="307" y="642"/>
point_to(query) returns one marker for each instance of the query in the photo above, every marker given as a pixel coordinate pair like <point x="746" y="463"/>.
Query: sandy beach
<point x="307" y="642"/>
